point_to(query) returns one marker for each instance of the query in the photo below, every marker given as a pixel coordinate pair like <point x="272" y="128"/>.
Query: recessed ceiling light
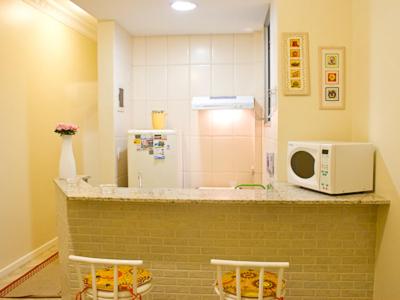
<point x="183" y="5"/>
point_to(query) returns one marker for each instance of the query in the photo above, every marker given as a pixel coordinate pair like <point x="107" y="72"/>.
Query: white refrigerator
<point x="154" y="159"/>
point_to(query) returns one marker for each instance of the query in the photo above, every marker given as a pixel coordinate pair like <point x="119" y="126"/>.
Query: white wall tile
<point x="224" y="179"/>
<point x="222" y="80"/>
<point x="155" y="105"/>
<point x="156" y="50"/>
<point x="200" y="179"/>
<point x="139" y="115"/>
<point x="244" y="48"/>
<point x="224" y="154"/>
<point x="258" y="178"/>
<point x="200" y="153"/>
<point x="200" y="49"/>
<point x="244" y="125"/>
<point x="245" y="82"/>
<point x="169" y="70"/>
<point x="178" y="82"/>
<point x="223" y="120"/>
<point x="244" y="151"/>
<point x="258" y="154"/>
<point x="200" y="80"/>
<point x="178" y="116"/>
<point x="247" y="178"/>
<point x="201" y="123"/>
<point x="156" y="83"/>
<point x="178" y="50"/>
<point x="139" y="82"/>
<point x="139" y="51"/>
<point x="222" y="49"/>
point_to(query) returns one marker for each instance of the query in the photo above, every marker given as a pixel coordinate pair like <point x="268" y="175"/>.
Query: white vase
<point x="67" y="168"/>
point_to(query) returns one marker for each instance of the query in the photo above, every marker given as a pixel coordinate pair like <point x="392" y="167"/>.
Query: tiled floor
<point x="26" y="268"/>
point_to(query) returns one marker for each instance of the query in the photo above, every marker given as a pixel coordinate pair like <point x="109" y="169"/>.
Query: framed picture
<point x="296" y="64"/>
<point x="332" y="70"/>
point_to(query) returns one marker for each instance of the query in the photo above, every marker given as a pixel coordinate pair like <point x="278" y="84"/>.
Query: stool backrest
<point x="280" y="266"/>
<point x="109" y="262"/>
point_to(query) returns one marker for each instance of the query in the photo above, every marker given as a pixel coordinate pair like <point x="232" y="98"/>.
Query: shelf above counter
<point x="282" y="193"/>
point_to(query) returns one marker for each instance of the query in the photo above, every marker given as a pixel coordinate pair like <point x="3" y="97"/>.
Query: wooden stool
<point x="124" y="280"/>
<point x="250" y="284"/>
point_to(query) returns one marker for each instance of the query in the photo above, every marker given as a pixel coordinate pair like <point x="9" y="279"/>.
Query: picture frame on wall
<point x="296" y="64"/>
<point x="332" y="77"/>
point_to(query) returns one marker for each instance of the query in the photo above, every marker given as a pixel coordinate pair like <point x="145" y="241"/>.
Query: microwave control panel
<point x="324" y="181"/>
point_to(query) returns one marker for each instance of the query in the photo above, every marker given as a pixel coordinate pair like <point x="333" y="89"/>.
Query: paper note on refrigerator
<point x="158" y="148"/>
<point x="155" y="145"/>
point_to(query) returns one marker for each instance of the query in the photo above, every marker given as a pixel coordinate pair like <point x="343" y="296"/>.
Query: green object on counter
<point x="270" y="187"/>
<point x="250" y="185"/>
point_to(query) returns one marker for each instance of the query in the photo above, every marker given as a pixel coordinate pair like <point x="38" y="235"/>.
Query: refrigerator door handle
<point x="140" y="179"/>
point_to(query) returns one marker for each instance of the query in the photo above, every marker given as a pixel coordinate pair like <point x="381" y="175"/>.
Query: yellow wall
<point x="376" y="88"/>
<point x="359" y="64"/>
<point x="328" y="24"/>
<point x="368" y="29"/>
<point x="106" y="92"/>
<point x="47" y="75"/>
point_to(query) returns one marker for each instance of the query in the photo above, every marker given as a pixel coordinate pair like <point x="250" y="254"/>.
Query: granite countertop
<point x="282" y="193"/>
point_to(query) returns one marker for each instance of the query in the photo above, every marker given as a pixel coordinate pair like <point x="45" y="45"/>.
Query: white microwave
<point x="331" y="167"/>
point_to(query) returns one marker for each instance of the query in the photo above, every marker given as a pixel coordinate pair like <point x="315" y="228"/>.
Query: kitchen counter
<point x="329" y="241"/>
<point x="282" y="193"/>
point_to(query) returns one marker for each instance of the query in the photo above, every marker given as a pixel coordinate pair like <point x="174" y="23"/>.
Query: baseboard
<point x="27" y="257"/>
<point x="24" y="277"/>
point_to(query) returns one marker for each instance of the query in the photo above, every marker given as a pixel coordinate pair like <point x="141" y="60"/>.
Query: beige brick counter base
<point x="330" y="247"/>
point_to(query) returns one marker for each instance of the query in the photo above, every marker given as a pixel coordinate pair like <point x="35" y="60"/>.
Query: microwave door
<point x="304" y="166"/>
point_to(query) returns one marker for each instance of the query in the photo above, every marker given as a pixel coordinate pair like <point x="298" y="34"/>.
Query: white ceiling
<point x="155" y="17"/>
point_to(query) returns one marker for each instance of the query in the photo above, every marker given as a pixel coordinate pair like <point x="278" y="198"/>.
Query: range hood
<point x="224" y="102"/>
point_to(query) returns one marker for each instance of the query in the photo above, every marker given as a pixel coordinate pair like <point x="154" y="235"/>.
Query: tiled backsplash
<point x="220" y="147"/>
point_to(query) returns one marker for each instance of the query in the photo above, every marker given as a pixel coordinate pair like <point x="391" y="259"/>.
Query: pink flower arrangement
<point x="66" y="129"/>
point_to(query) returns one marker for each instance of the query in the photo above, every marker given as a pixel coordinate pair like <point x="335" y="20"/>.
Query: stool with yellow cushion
<point x="122" y="280"/>
<point x="250" y="281"/>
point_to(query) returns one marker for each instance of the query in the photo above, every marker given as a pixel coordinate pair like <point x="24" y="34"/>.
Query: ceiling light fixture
<point x="183" y="5"/>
